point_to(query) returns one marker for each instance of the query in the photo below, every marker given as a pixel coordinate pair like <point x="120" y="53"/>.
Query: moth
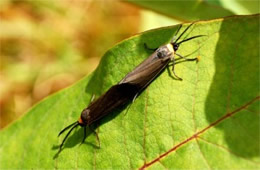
<point x="131" y="85"/>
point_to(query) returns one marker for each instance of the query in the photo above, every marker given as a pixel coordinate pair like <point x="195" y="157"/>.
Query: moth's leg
<point x="128" y="107"/>
<point x="187" y="59"/>
<point x="175" y="73"/>
<point x="95" y="134"/>
<point x="135" y="97"/>
<point x="173" y="64"/>
<point x="92" y="98"/>
<point x="148" y="48"/>
<point x="84" y="137"/>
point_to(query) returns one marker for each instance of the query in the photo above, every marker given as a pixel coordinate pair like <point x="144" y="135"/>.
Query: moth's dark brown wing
<point x="146" y="72"/>
<point x="127" y="89"/>
<point x="116" y="96"/>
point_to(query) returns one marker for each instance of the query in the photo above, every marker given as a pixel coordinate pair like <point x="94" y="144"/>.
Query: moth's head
<point x="84" y="117"/>
<point x="175" y="46"/>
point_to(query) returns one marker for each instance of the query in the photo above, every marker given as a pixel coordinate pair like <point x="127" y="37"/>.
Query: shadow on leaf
<point x="236" y="83"/>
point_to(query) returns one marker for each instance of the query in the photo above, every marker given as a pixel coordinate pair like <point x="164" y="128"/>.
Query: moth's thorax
<point x="170" y="47"/>
<point x="165" y="51"/>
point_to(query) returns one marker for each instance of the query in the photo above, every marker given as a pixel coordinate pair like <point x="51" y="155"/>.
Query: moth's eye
<point x="175" y="46"/>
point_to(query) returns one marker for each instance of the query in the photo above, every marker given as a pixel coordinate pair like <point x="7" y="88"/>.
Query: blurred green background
<point x="47" y="45"/>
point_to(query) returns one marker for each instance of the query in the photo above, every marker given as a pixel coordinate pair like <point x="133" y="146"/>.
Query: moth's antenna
<point x="190" y="39"/>
<point x="183" y="32"/>
<point x="66" y="128"/>
<point x="75" y="124"/>
<point x="173" y="38"/>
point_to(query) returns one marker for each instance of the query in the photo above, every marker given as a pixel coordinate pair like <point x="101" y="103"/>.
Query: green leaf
<point x="241" y="7"/>
<point x="185" y="10"/>
<point x="209" y="120"/>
